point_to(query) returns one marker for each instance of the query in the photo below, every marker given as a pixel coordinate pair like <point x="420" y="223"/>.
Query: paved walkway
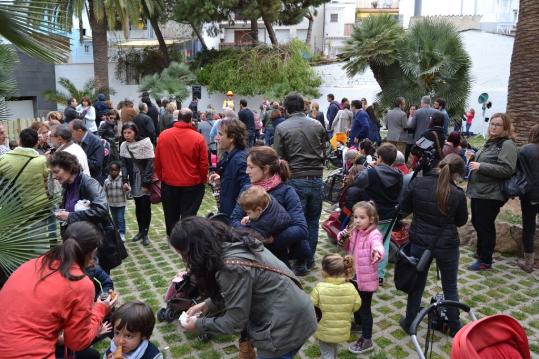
<point x="145" y="276"/>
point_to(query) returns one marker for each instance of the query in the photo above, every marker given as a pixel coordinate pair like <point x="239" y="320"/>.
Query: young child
<point x="116" y="197"/>
<point x="337" y="299"/>
<point x="363" y="241"/>
<point x="263" y="213"/>
<point x="133" y="326"/>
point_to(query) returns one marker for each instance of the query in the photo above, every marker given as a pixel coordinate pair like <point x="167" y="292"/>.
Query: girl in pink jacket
<point x="363" y="241"/>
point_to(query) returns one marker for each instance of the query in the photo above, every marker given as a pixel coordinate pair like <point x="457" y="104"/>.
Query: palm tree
<point x="429" y="59"/>
<point x="24" y="27"/>
<point x="89" y="90"/>
<point x="171" y="83"/>
<point x="24" y="232"/>
<point x="524" y="73"/>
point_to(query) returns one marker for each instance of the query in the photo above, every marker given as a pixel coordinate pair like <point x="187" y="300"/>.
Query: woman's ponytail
<point x="284" y="170"/>
<point x="449" y="166"/>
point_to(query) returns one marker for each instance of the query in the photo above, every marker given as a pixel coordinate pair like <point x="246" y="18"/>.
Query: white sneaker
<point x="122" y="236"/>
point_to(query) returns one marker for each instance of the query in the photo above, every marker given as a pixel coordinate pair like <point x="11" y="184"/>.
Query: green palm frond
<point x="88" y="90"/>
<point x="27" y="26"/>
<point x="172" y="82"/>
<point x="24" y="232"/>
<point x="8" y="85"/>
<point x="375" y="41"/>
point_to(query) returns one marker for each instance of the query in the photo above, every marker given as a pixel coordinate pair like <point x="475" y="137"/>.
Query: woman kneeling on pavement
<point x="434" y="226"/>
<point x="265" y="169"/>
<point x="278" y="314"/>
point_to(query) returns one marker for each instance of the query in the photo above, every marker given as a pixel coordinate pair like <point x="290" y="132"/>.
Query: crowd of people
<point x="265" y="169"/>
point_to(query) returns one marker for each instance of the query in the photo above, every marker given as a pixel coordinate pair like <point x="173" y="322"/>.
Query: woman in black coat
<point x="434" y="226"/>
<point x="529" y="203"/>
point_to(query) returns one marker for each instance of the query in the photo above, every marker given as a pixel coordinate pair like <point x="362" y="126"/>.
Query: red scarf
<point x="269" y="183"/>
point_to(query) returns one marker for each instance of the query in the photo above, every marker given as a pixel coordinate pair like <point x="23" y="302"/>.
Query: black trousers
<point x="484" y="213"/>
<point x="529" y="213"/>
<point x="180" y="202"/>
<point x="364" y="314"/>
<point x="143" y="211"/>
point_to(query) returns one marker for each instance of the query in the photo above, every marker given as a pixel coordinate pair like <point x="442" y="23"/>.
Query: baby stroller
<point x="333" y="185"/>
<point x="180" y="296"/>
<point x="494" y="337"/>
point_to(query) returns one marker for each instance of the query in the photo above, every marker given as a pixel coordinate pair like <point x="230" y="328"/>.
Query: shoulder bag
<point x="155" y="186"/>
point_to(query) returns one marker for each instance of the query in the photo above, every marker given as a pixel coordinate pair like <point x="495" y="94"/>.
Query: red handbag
<point x="155" y="190"/>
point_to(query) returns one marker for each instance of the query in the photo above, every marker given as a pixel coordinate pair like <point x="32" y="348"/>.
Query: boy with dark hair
<point x="133" y="325"/>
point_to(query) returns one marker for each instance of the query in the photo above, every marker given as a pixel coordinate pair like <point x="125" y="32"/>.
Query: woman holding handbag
<point x="249" y="285"/>
<point x="137" y="156"/>
<point x="434" y="227"/>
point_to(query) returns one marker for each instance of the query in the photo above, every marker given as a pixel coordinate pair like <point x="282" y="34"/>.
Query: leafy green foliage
<point x="24" y="232"/>
<point x="260" y="70"/>
<point x="147" y="61"/>
<point x="88" y="90"/>
<point x="171" y="83"/>
<point x="429" y="59"/>
<point x="8" y="58"/>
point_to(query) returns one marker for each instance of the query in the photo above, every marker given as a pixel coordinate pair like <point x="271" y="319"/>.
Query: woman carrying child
<point x="363" y="241"/>
<point x="265" y="169"/>
<point x="337" y="299"/>
<point x="434" y="226"/>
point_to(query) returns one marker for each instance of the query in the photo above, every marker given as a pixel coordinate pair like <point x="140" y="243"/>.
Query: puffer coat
<point x="338" y="300"/>
<point x="273" y="220"/>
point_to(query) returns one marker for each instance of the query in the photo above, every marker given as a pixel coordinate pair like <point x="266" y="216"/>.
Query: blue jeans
<point x="118" y="217"/>
<point x="448" y="263"/>
<point x="288" y="355"/>
<point x="310" y="193"/>
<point x="251" y="138"/>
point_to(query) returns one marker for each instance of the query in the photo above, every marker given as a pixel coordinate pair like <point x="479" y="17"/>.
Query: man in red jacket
<point x="181" y="163"/>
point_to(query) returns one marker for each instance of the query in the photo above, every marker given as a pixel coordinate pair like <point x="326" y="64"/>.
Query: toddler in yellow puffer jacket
<point x="337" y="299"/>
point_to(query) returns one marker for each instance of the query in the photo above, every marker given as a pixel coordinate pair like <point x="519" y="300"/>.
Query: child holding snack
<point x="337" y="299"/>
<point x="133" y="326"/>
<point x="363" y="241"/>
<point x="263" y="213"/>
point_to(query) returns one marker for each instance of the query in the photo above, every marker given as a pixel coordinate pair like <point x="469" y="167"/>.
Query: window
<point x="334" y="18"/>
<point x="348" y="28"/>
<point x="86" y="48"/>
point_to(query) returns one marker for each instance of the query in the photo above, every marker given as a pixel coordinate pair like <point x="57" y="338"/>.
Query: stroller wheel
<point x="161" y="315"/>
<point x="169" y="315"/>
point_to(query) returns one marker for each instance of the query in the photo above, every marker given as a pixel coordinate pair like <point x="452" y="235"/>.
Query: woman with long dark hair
<point x="137" y="158"/>
<point x="529" y="202"/>
<point x="277" y="313"/>
<point x="494" y="163"/>
<point x="265" y="169"/>
<point x="50" y="294"/>
<point x="434" y="226"/>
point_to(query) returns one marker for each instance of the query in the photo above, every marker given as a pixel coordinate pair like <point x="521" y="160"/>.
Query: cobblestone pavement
<point x="145" y="276"/>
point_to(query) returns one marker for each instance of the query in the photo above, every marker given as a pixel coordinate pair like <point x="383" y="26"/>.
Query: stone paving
<point x="145" y="276"/>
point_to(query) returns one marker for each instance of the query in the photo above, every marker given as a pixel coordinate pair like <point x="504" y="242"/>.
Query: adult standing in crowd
<point x="70" y="112"/>
<point x="62" y="140"/>
<point x="193" y="106"/>
<point x="374" y="125"/>
<point x="137" y="156"/>
<point x="277" y="314"/>
<point x="89" y="114"/>
<point x="108" y="130"/>
<point x="265" y="169"/>
<point x="494" y="163"/>
<point x="181" y="163"/>
<point x="167" y="119"/>
<point x="52" y="294"/>
<point x="269" y="129"/>
<point x="333" y="108"/>
<point x="4" y="141"/>
<point x="152" y="112"/>
<point x="231" y="175"/>
<point x="92" y="146"/>
<point x="144" y="123"/>
<point x="435" y="133"/>
<point x="127" y="112"/>
<point x="26" y="163"/>
<point x="439" y="105"/>
<point x="360" y="124"/>
<point x="316" y="114"/>
<point x="246" y="116"/>
<point x="420" y="121"/>
<point x="343" y="120"/>
<point x="434" y="226"/>
<point x="301" y="142"/>
<point x="204" y="128"/>
<point x="410" y="140"/>
<point x="101" y="108"/>
<point x="529" y="202"/>
<point x="396" y="122"/>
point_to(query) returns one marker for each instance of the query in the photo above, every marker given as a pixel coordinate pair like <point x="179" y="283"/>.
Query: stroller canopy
<point x="494" y="337"/>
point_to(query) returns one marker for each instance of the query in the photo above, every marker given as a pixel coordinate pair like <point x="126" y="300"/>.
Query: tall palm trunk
<point x="524" y="73"/>
<point x="100" y="48"/>
<point x="271" y="32"/>
<point x="254" y="31"/>
<point x="197" y="32"/>
<point x="309" y="17"/>
<point x="160" y="39"/>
